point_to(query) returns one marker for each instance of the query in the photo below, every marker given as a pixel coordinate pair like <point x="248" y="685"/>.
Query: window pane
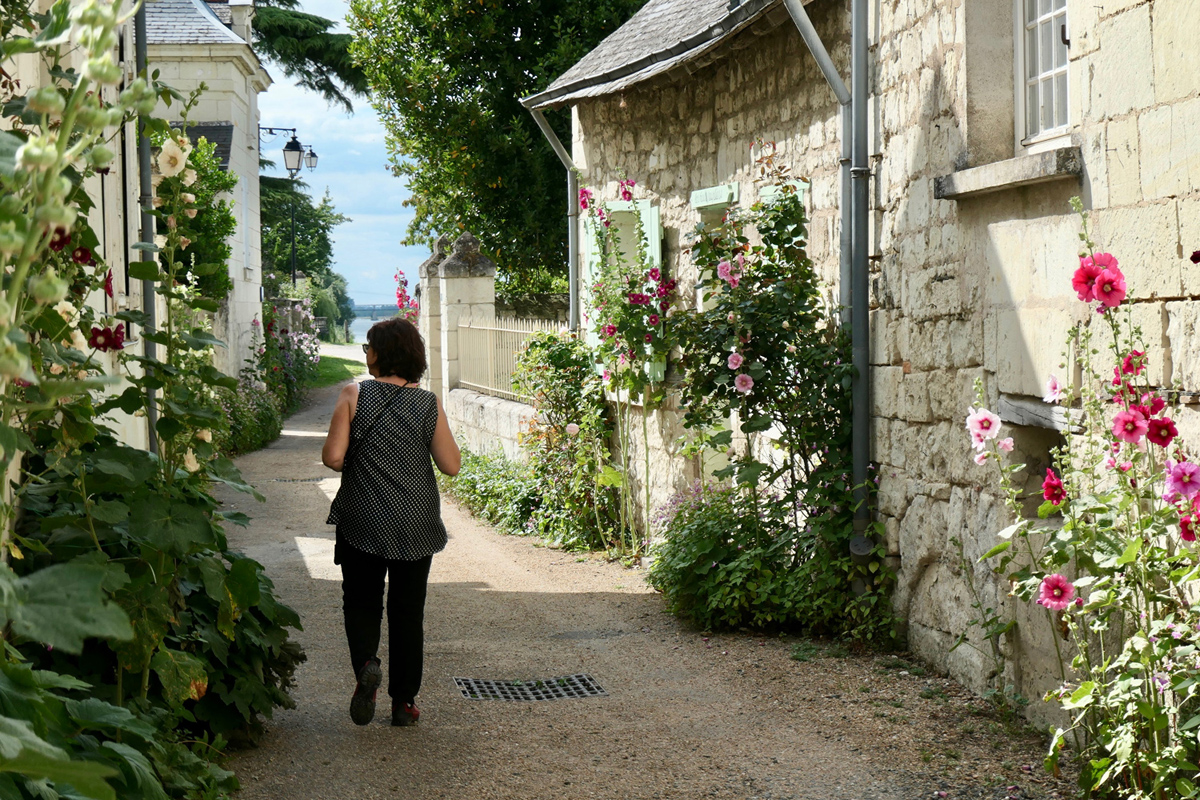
<point x="1047" y="104"/>
<point x="1031" y="110"/>
<point x="1046" y="46"/>
<point x="1030" y="10"/>
<point x="1031" y="49"/>
<point x="1043" y="7"/>
<point x="1060" y="4"/>
<point x="1060" y="49"/>
<point x="1060" y="100"/>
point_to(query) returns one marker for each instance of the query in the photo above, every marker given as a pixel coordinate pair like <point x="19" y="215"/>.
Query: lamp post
<point x="293" y="156"/>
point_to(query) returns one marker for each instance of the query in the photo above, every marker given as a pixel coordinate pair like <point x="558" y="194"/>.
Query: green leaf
<point x="223" y="471"/>
<point x="87" y="777"/>
<point x="111" y="512"/>
<point x="175" y="527"/>
<point x="242" y="582"/>
<point x="56" y="30"/>
<point x="757" y="424"/>
<point x="182" y="675"/>
<point x="610" y="476"/>
<point x="1131" y="553"/>
<point x="145" y="271"/>
<point x="1081" y="697"/>
<point x="61" y="605"/>
<point x="168" y="428"/>
<point x="138" y="769"/>
<point x="93" y="713"/>
<point x="995" y="551"/>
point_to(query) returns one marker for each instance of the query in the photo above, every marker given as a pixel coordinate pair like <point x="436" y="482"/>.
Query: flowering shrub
<point x="567" y="443"/>
<point x="252" y="418"/>
<point x="408" y="306"/>
<point x="288" y="352"/>
<point x="1114" y="571"/>
<point x="632" y="302"/>
<point x="765" y="348"/>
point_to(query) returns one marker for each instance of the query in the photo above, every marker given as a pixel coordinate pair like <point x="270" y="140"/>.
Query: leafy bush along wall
<point x="105" y="541"/>
<point x="1121" y="504"/>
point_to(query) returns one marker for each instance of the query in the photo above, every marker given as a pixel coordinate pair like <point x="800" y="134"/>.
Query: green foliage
<point x="288" y="353"/>
<point x="500" y="491"/>
<point x="566" y="443"/>
<point x="314" y="247"/>
<point x="252" y="418"/>
<point x="308" y="52"/>
<point x="447" y="79"/>
<point x="207" y="257"/>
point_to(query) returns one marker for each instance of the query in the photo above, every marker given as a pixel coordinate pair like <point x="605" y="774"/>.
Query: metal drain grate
<point x="566" y="687"/>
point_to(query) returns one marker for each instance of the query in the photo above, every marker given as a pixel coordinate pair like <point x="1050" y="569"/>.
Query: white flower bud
<point x="47" y="288"/>
<point x="102" y="70"/>
<point x="101" y="156"/>
<point x="204" y="435"/>
<point x="55" y="215"/>
<point x="36" y="156"/>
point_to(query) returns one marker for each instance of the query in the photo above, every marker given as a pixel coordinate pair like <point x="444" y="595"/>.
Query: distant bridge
<point x="376" y="312"/>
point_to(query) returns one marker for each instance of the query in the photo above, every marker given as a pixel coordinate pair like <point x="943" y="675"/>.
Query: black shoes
<point x="362" y="705"/>
<point x="405" y="714"/>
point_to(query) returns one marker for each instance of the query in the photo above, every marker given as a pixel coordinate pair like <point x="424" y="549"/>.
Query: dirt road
<point x="686" y="716"/>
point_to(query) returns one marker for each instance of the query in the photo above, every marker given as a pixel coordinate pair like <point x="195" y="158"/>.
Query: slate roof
<point x="661" y="36"/>
<point x="185" y="22"/>
<point x="222" y="10"/>
<point x="219" y="133"/>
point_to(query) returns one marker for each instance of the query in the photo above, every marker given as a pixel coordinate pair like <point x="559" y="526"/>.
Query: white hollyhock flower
<point x="171" y="159"/>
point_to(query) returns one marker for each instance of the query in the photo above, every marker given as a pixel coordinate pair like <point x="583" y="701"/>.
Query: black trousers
<point x="362" y="604"/>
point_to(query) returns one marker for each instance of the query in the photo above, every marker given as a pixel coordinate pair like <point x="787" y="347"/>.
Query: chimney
<point x="241" y="11"/>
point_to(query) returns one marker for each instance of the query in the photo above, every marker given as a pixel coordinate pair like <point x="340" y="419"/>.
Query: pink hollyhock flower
<point x="1187" y="529"/>
<point x="1084" y="279"/>
<point x="724" y="271"/>
<point x="605" y="375"/>
<point x="1154" y="403"/>
<point x="1162" y="431"/>
<point x="1052" y="488"/>
<point x="602" y="215"/>
<point x="741" y="260"/>
<point x="610" y="330"/>
<point x="1183" y="478"/>
<point x="585" y="198"/>
<point x="653" y="319"/>
<point x="626" y="189"/>
<point x="1134" y="363"/>
<point x="983" y="425"/>
<point x="1130" y="426"/>
<point x="1110" y="287"/>
<point x="572" y="429"/>
<point x="655" y="273"/>
<point x="1005" y="444"/>
<point x="981" y="458"/>
<point x="734" y="281"/>
<point x="743" y="383"/>
<point x="1056" y="592"/>
<point x="1125" y="466"/>
<point x="1110" y="463"/>
<point x="1054" y="390"/>
<point x="732" y="317"/>
<point x="735" y="361"/>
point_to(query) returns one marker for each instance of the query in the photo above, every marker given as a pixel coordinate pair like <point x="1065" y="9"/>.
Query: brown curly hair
<point x="399" y="349"/>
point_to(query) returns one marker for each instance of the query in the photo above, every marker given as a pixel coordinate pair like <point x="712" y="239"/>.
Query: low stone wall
<point x="482" y="423"/>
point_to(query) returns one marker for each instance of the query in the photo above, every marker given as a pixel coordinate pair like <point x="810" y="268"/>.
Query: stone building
<point x="193" y="42"/>
<point x="987" y="117"/>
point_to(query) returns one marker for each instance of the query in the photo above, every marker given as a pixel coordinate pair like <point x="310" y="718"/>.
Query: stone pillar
<point x="429" y="317"/>
<point x="467" y="289"/>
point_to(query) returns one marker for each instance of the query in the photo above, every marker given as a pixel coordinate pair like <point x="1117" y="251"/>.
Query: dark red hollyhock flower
<point x="60" y="239"/>
<point x="1187" y="528"/>
<point x="1162" y="431"/>
<point x="82" y="256"/>
<point x="108" y="284"/>
<point x="664" y="305"/>
<point x="1196" y="257"/>
<point x="1052" y="488"/>
<point x="107" y="339"/>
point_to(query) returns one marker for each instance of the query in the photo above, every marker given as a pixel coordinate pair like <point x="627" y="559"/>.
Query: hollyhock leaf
<point x="1131" y="553"/>
<point x="1046" y="509"/>
<point x="1081" y="697"/>
<point x="757" y="424"/>
<point x="995" y="551"/>
<point x="144" y="270"/>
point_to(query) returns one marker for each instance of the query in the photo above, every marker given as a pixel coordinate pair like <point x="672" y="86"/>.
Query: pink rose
<point x="572" y="429"/>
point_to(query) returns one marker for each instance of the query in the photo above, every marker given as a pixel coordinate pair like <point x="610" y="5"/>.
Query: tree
<point x="314" y="243"/>
<point x="306" y="50"/>
<point x="447" y="77"/>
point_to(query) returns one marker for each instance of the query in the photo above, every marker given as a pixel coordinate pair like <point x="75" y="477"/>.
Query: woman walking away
<point x="388" y="513"/>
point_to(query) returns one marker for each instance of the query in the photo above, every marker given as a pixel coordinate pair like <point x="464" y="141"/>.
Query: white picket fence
<point x="487" y="353"/>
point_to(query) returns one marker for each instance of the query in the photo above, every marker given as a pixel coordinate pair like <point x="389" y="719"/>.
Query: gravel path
<point x="686" y="716"/>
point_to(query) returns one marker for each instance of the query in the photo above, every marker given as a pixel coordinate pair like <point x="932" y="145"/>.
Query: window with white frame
<point x="1042" y="67"/>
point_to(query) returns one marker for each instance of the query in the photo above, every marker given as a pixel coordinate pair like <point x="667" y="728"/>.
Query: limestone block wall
<point x="484" y="424"/>
<point x="963" y="288"/>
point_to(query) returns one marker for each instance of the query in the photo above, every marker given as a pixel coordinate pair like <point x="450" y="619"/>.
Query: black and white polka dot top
<point x="388" y="504"/>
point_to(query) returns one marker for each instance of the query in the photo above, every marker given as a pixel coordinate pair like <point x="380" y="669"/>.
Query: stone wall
<point x="964" y="287"/>
<point x="484" y="424"/>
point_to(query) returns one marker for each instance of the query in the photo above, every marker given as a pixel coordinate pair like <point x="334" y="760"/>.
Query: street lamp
<point x="293" y="154"/>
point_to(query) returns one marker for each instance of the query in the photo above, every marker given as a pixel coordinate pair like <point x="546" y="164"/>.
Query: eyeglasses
<point x="365" y="346"/>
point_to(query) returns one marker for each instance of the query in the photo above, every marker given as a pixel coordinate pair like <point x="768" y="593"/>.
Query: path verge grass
<point x="332" y="370"/>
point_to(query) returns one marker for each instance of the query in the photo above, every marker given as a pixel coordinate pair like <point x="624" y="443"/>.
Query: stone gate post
<point x="429" y="315"/>
<point x="467" y="291"/>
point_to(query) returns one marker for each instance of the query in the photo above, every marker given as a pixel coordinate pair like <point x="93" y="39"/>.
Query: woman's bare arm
<point x="444" y="449"/>
<point x="333" y="454"/>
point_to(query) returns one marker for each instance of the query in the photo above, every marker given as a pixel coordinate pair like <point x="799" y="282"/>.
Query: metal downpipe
<point x="860" y="326"/>
<point x="572" y="214"/>
<point x="145" y="203"/>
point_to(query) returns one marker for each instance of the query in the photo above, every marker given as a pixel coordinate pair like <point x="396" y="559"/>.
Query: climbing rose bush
<point x="1114" y="561"/>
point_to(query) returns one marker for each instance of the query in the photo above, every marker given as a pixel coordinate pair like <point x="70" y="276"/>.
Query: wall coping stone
<point x="465" y="260"/>
<point x="1053" y="165"/>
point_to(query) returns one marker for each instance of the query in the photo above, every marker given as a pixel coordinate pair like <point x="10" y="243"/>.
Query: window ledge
<point x="1021" y="410"/>
<point x="1053" y="165"/>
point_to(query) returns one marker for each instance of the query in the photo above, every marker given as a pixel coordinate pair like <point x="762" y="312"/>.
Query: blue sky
<point x="351" y="163"/>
